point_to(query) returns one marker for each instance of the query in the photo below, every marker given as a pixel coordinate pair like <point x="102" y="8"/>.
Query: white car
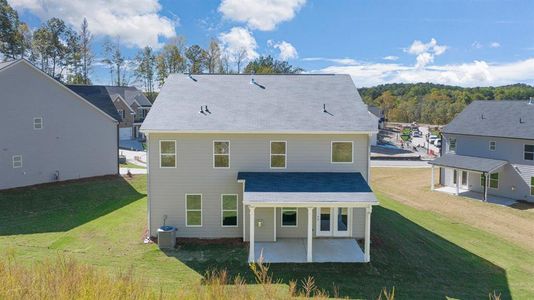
<point x="432" y="138"/>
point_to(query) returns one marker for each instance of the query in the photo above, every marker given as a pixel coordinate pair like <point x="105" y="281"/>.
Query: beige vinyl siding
<point x="249" y="152"/>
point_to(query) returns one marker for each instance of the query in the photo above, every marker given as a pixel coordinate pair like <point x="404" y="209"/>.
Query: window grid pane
<point x="278" y="147"/>
<point x="221" y="147"/>
<point x="222" y="161"/>
<point x="168" y="147"/>
<point x="193" y="210"/>
<point x="229" y="210"/>
<point x="289" y="217"/>
<point x="278" y="161"/>
<point x="229" y="202"/>
<point x="342" y="152"/>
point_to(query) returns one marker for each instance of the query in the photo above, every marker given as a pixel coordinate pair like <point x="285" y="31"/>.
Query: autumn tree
<point x="196" y="57"/>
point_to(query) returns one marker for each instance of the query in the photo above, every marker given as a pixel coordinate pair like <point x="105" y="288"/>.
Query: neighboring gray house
<point x="378" y="115"/>
<point x="49" y="132"/>
<point x="132" y="106"/>
<point x="490" y="139"/>
<point x="289" y="152"/>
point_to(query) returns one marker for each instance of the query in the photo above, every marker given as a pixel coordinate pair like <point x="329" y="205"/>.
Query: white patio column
<point x="457" y="182"/>
<point x="310" y="235"/>
<point x="367" y="250"/>
<point x="486" y="183"/>
<point x="432" y="180"/>
<point x="252" y="222"/>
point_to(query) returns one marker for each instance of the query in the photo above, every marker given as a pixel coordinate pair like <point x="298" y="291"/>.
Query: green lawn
<point x="102" y="222"/>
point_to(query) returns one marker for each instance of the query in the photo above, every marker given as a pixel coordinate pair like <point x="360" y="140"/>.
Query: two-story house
<point x="489" y="148"/>
<point x="46" y="128"/>
<point x="281" y="161"/>
<point x="132" y="106"/>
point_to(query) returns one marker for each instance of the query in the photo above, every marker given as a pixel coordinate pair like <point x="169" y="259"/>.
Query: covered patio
<point x="315" y="191"/>
<point x="342" y="250"/>
<point x="460" y="163"/>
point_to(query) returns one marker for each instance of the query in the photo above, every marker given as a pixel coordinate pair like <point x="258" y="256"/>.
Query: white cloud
<point x="136" y="22"/>
<point x="238" y="39"/>
<point x="390" y="57"/>
<point x="339" y="61"/>
<point x="495" y="45"/>
<point x="426" y="51"/>
<point x="263" y="15"/>
<point x="476" y="73"/>
<point x="287" y="51"/>
<point x="477" y="45"/>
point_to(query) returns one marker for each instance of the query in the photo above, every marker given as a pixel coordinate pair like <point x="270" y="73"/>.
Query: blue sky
<point x="460" y="42"/>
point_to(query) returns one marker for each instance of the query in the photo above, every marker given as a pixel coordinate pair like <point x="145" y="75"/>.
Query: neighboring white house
<point x="49" y="132"/>
<point x="490" y="139"/>
<point x="289" y="152"/>
<point x="378" y="115"/>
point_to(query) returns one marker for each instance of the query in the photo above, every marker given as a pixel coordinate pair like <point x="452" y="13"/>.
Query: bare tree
<point x="239" y="57"/>
<point x="116" y="62"/>
<point x="213" y="56"/>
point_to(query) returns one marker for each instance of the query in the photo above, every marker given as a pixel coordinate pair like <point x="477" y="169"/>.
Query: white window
<point x="529" y="152"/>
<point x="37" y="123"/>
<point x="452" y="145"/>
<point x="17" y="161"/>
<point x="341" y="152"/>
<point x="193" y="210"/>
<point x="229" y="212"/>
<point x="492" y="145"/>
<point x="167" y="154"/>
<point x="278" y="154"/>
<point x="289" y="217"/>
<point x="493" y="182"/>
<point x="221" y="154"/>
<point x="531" y="186"/>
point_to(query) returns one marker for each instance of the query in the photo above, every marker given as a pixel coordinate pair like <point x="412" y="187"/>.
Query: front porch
<point x="340" y="250"/>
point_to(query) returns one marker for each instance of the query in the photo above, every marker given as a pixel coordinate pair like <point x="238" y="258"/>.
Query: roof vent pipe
<point x="324" y="107"/>
<point x="202" y="110"/>
<point x="482" y="116"/>
<point x="207" y="110"/>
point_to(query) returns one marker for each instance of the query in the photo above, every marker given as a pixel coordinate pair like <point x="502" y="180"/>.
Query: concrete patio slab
<point x="338" y="250"/>
<point x="478" y="196"/>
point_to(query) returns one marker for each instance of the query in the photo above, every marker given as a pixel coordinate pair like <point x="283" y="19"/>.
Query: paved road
<point x="124" y="171"/>
<point x="400" y="164"/>
<point x="131" y="157"/>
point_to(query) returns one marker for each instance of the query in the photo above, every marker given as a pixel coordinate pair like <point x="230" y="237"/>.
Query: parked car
<point x="416" y="134"/>
<point x="437" y="143"/>
<point x="432" y="138"/>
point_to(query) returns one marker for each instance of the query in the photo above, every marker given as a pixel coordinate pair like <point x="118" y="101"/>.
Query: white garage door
<point x="125" y="133"/>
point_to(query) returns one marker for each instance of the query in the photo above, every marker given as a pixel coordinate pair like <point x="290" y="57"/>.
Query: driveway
<point x="134" y="157"/>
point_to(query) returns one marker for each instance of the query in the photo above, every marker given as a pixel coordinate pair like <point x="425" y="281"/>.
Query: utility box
<point x="167" y="237"/>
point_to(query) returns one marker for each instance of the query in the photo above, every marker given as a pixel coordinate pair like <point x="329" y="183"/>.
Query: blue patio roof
<point x="304" y="182"/>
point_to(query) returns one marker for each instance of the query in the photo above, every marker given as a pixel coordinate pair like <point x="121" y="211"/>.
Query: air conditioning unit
<point x="167" y="237"/>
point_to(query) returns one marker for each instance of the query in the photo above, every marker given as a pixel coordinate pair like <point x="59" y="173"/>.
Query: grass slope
<point x="422" y="253"/>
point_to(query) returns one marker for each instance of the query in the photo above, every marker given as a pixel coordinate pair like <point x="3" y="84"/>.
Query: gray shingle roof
<point x="495" y="118"/>
<point x="130" y="94"/>
<point x="5" y="64"/>
<point x="470" y="163"/>
<point x="98" y="96"/>
<point x="286" y="103"/>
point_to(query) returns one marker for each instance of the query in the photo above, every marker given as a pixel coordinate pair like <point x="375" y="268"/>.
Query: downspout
<point x="117" y="149"/>
<point x="148" y="203"/>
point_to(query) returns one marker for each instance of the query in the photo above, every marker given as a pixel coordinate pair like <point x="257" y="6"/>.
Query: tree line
<point x="67" y="55"/>
<point x="430" y="103"/>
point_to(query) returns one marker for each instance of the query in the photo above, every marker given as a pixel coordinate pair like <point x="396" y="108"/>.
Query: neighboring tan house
<point x="50" y="133"/>
<point x="289" y="152"/>
<point x="490" y="139"/>
<point x="133" y="106"/>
